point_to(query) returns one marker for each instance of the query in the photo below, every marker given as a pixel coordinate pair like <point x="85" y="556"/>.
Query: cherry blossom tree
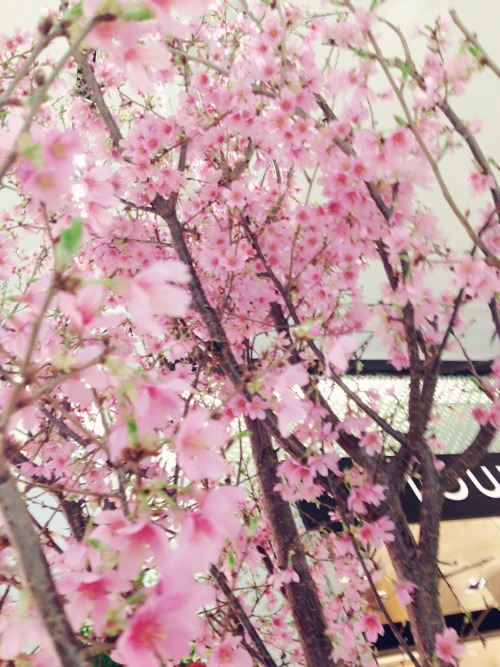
<point x="193" y="203"/>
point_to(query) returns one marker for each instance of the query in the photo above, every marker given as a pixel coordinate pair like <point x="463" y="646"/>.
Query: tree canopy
<point x="212" y="210"/>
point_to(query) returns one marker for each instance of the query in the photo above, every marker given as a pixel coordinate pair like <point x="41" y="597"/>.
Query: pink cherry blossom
<point x="98" y="186"/>
<point x="60" y="148"/>
<point x="300" y="481"/>
<point x="377" y="533"/>
<point x="230" y="653"/>
<point x="372" y="442"/>
<point x="371" y="626"/>
<point x="154" y="291"/>
<point x="165" y="11"/>
<point x="291" y="408"/>
<point x="139" y="541"/>
<point x="91" y="595"/>
<point x="205" y="530"/>
<point x="81" y="307"/>
<point x="156" y="402"/>
<point x="46" y="185"/>
<point x="339" y="351"/>
<point x="198" y="444"/>
<point x="286" y="576"/>
<point x="481" y="414"/>
<point x="160" y="630"/>
<point x="360" y="497"/>
<point x="256" y="408"/>
<point x="404" y="592"/>
<point x="448" y="647"/>
<point x="15" y="633"/>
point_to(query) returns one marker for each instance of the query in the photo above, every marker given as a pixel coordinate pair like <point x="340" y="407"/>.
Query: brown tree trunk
<point x="37" y="574"/>
<point x="418" y="564"/>
<point x="424" y="613"/>
<point x="302" y="596"/>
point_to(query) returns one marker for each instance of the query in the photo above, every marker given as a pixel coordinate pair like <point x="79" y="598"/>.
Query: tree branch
<point x="302" y="596"/>
<point x="37" y="573"/>
<point x="473" y="40"/>
<point x="470" y="458"/>
<point x="263" y="654"/>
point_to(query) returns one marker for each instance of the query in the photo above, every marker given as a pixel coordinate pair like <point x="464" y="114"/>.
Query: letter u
<point x="491" y="493"/>
<point x="460" y="494"/>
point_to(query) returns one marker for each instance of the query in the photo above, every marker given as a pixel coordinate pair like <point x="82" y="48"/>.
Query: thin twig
<point x="197" y="59"/>
<point x="490" y="257"/>
<point x="486" y="60"/>
<point x="40" y="95"/>
<point x="263" y="654"/>
<point x="42" y="44"/>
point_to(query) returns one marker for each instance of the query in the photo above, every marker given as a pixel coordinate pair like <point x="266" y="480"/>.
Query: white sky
<point x="24" y="14"/>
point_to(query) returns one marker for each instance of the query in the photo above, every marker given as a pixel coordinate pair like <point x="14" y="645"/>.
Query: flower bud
<point x="39" y="77"/>
<point x="45" y="25"/>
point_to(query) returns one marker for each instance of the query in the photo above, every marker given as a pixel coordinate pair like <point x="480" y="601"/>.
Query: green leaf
<point x="253" y="523"/>
<point x="474" y="51"/>
<point x="103" y="661"/>
<point x="405" y="70"/>
<point x="139" y="14"/>
<point x="240" y="435"/>
<point x="97" y="544"/>
<point x="86" y="629"/>
<point x="360" y="52"/>
<point x="132" y="429"/>
<point x="34" y="155"/>
<point x="68" y="244"/>
<point x="231" y="557"/>
<point x="74" y="13"/>
<point x="29" y="150"/>
<point x="400" y="121"/>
